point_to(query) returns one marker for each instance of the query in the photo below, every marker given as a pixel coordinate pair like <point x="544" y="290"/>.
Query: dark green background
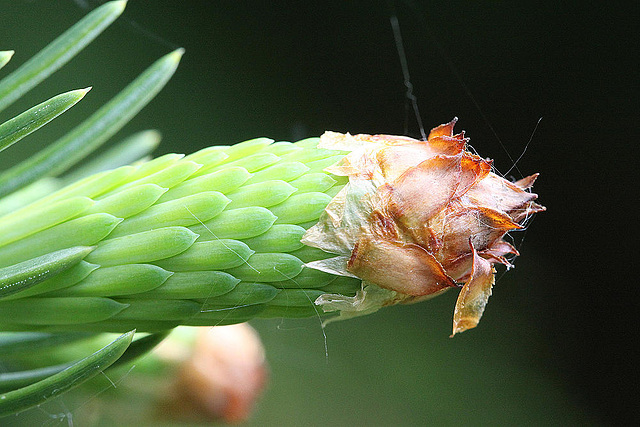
<point x="556" y="344"/>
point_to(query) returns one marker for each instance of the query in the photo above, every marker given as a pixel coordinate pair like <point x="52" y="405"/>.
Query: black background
<point x="294" y="69"/>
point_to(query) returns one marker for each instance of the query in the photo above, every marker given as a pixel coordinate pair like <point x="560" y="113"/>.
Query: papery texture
<point x="418" y="217"/>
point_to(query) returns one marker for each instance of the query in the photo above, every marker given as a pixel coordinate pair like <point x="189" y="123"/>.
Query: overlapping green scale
<point x="269" y="267"/>
<point x="244" y="149"/>
<point x="301" y="208"/>
<point x="308" y="278"/>
<point x="59" y="310"/>
<point x="285" y="171"/>
<point x="193" y="285"/>
<point x="218" y="316"/>
<point x="83" y="231"/>
<point x="241" y="223"/>
<point x="162" y="309"/>
<point x="183" y="212"/>
<point x="154" y="166"/>
<point x="313" y="182"/>
<point x="25" y="222"/>
<point x="278" y="238"/>
<point x="321" y="164"/>
<point x="218" y="254"/>
<point x="281" y="148"/>
<point x="251" y="163"/>
<point x="210" y="156"/>
<point x="264" y="194"/>
<point x="244" y="293"/>
<point x="118" y="280"/>
<point x="208" y="239"/>
<point x="94" y="186"/>
<point x="167" y="177"/>
<point x="223" y="181"/>
<point x="128" y="202"/>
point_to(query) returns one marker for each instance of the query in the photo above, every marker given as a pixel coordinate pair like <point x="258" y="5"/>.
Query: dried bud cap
<point x="416" y="218"/>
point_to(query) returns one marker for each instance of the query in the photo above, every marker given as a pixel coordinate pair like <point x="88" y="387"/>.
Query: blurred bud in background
<point x="220" y="378"/>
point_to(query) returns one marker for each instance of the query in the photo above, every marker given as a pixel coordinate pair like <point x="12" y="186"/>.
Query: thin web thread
<point x="398" y="38"/>
<point x="68" y="414"/>
<point x="315" y="308"/>
<point x="227" y="309"/>
<point x="220" y="240"/>
<point x="419" y="15"/>
<point x="397" y="35"/>
<point x="525" y="148"/>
